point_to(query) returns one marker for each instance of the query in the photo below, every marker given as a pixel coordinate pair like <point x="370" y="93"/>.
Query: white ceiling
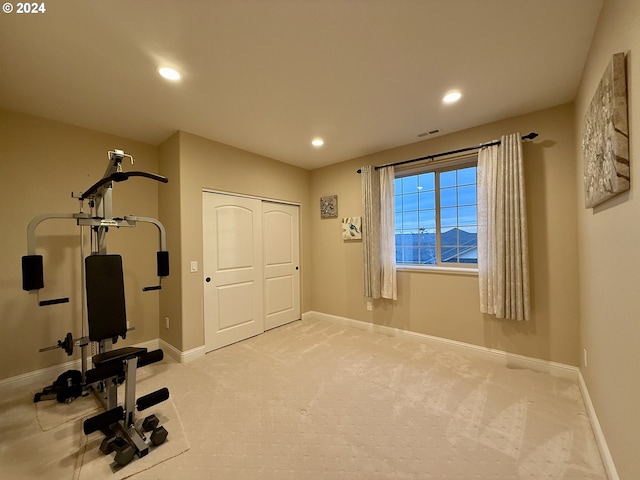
<point x="268" y="76"/>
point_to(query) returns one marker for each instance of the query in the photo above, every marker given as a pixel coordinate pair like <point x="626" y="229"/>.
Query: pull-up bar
<point x="121" y="177"/>
<point x="529" y="136"/>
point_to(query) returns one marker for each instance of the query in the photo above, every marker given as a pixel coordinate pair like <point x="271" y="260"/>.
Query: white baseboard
<point x="607" y="460"/>
<point x="510" y="359"/>
<point x="45" y="376"/>
<point x="149" y="345"/>
<point x="180" y="356"/>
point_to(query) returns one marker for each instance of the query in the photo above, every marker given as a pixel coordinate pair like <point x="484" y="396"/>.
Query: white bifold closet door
<point x="250" y="267"/>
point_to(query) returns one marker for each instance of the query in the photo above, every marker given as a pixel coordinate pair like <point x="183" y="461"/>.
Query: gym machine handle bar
<point x="121" y="177"/>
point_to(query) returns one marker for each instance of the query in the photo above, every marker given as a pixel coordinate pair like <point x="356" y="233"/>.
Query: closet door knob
<point x="208" y="279"/>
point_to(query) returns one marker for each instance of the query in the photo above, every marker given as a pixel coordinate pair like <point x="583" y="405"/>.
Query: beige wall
<point x="41" y="163"/>
<point x="205" y="164"/>
<point x="609" y="238"/>
<point x="447" y="305"/>
<point x="169" y="212"/>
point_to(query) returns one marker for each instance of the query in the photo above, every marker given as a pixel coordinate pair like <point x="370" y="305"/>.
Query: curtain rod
<point x="529" y="136"/>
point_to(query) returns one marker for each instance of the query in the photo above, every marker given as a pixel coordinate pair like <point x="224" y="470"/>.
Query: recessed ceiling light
<point x="317" y="142"/>
<point x="169" y="73"/>
<point x="452" y="97"/>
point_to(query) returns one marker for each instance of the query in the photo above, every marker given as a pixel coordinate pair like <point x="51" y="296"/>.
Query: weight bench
<point x="106" y="314"/>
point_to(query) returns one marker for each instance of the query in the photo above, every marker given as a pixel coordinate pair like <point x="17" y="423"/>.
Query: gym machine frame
<point x="111" y="367"/>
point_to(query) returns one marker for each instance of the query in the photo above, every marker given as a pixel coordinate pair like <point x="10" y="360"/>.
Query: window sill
<point x="438" y="269"/>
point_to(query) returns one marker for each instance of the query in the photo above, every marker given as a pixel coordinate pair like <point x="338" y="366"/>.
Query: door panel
<point x="234" y="237"/>
<point x="279" y="294"/>
<point x="281" y="263"/>
<point x="235" y="305"/>
<point x="278" y="226"/>
<point x="232" y="268"/>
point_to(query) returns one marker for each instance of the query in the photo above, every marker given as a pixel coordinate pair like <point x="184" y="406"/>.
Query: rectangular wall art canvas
<point x="605" y="137"/>
<point x="329" y="206"/>
<point x="352" y="228"/>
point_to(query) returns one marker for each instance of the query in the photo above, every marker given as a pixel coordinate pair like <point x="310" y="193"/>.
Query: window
<point x="435" y="215"/>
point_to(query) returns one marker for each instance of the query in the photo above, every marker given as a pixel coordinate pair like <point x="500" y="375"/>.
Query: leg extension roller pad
<point x="152" y="399"/>
<point x="103" y="420"/>
<point x="150" y="357"/>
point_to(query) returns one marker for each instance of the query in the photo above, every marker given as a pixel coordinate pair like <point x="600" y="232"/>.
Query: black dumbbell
<point x="150" y="423"/>
<point x="107" y="444"/>
<point x="124" y="454"/>
<point x="159" y="435"/>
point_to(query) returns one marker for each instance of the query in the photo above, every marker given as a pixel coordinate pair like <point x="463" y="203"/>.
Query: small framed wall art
<point x="352" y="228"/>
<point x="329" y="206"/>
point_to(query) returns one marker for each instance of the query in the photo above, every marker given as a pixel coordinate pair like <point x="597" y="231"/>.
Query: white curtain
<point x="378" y="233"/>
<point x="503" y="262"/>
<point x="389" y="286"/>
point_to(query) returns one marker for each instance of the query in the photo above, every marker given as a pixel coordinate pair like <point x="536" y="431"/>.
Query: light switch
<point x="194" y="266"/>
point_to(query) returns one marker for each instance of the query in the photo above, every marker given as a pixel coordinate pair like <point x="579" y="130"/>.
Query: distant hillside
<point x="455" y="236"/>
<point x="457" y="246"/>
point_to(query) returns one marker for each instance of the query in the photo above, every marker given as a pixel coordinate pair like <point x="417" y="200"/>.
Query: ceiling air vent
<point x="430" y="132"/>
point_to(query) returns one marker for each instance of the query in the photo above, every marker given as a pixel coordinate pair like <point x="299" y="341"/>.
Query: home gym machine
<point x="103" y="301"/>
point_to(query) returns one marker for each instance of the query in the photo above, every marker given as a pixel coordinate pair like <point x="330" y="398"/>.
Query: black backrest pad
<point x="105" y="297"/>
<point x="32" y="275"/>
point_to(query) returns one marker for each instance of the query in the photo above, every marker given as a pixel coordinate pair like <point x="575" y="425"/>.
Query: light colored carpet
<point x="45" y="439"/>
<point x="319" y="400"/>
<point x="52" y="414"/>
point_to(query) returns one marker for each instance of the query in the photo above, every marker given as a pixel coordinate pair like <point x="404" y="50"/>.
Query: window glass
<point x="410" y="221"/>
<point x="410" y="184"/>
<point x="427" y="256"/>
<point x="398" y="222"/>
<point x="449" y="217"/>
<point x="436" y="216"/>
<point x="467" y="176"/>
<point x="397" y="204"/>
<point x="410" y="202"/>
<point x="448" y="197"/>
<point x="467" y="195"/>
<point x="427" y="181"/>
<point x="397" y="186"/>
<point x="467" y="216"/>
<point x="427" y="199"/>
<point x="427" y="220"/>
<point x="448" y="179"/>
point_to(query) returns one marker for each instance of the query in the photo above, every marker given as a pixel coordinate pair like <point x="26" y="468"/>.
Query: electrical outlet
<point x="369" y="306"/>
<point x="166" y="323"/>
